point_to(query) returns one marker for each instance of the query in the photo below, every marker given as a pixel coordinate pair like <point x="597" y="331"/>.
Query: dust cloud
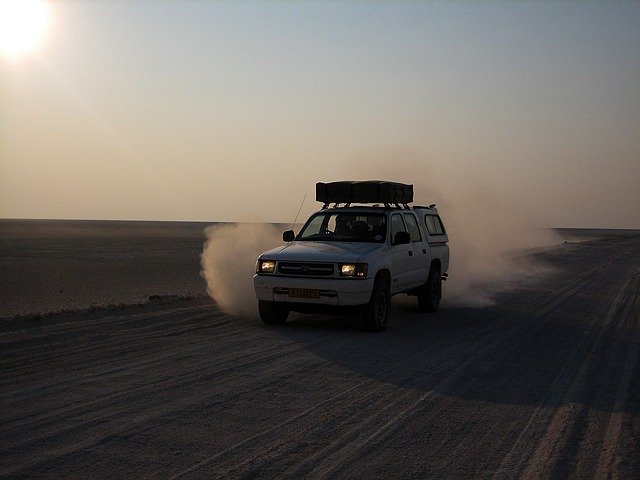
<point x="228" y="263"/>
<point x="490" y="245"/>
<point x="491" y="238"/>
<point x="490" y="233"/>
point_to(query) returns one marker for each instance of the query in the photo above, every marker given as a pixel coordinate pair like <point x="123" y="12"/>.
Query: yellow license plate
<point x="304" y="293"/>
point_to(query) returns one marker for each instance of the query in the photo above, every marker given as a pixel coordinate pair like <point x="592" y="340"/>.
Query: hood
<point x="322" y="251"/>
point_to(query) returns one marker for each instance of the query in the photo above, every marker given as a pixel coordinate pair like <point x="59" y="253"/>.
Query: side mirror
<point x="288" y="236"/>
<point x="402" y="238"/>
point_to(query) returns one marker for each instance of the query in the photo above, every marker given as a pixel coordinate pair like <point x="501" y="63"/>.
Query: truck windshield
<point x="345" y="227"/>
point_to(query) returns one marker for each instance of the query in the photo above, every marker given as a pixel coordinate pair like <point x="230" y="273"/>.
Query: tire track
<point x="122" y="416"/>
<point x="599" y="427"/>
<point x="339" y="417"/>
<point x="362" y="440"/>
<point x="19" y="346"/>
<point x="153" y="386"/>
<point x="535" y="460"/>
<point x="607" y="459"/>
<point x="330" y="460"/>
<point x="240" y="451"/>
<point x="327" y="460"/>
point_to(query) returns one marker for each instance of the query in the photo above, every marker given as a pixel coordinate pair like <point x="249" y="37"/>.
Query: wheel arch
<point x="385" y="274"/>
<point x="436" y="265"/>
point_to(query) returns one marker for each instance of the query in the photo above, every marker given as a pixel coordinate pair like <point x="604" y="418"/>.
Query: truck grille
<point x="310" y="269"/>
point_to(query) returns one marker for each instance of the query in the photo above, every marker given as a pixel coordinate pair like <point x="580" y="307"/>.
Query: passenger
<point x="361" y="230"/>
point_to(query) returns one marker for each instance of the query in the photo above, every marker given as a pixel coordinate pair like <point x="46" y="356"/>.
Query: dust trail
<point x="489" y="240"/>
<point x="490" y="234"/>
<point x="228" y="263"/>
<point x="490" y="244"/>
<point x="490" y="237"/>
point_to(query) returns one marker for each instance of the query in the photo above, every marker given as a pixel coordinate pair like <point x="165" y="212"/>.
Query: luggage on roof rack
<point x="370" y="191"/>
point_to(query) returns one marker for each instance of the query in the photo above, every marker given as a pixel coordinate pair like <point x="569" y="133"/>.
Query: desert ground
<point x="543" y="384"/>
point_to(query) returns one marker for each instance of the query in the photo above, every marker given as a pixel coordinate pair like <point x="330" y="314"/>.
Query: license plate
<point x="304" y="293"/>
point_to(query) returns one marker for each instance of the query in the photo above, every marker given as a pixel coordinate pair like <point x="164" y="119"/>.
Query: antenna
<point x="301" y="204"/>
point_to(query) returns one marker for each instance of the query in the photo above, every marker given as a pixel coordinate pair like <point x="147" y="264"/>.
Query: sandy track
<point x="546" y="384"/>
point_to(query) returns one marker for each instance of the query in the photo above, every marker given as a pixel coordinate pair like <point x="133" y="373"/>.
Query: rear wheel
<point x="271" y="312"/>
<point x="431" y="292"/>
<point x="376" y="313"/>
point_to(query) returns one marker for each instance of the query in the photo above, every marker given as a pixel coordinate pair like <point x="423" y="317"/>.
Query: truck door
<point x="400" y="256"/>
<point x="410" y="260"/>
<point x="421" y="258"/>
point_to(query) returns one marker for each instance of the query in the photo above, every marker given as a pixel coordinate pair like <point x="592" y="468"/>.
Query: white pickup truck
<point x="355" y="257"/>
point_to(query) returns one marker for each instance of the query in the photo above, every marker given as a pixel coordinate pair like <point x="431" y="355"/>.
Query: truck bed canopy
<point x="370" y="191"/>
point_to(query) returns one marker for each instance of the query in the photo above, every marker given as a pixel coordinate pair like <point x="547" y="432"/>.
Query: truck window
<point x="433" y="224"/>
<point x="316" y="225"/>
<point x="397" y="225"/>
<point x="346" y="226"/>
<point x="412" y="227"/>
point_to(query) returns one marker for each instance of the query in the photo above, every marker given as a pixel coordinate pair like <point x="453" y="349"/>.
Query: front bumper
<point x="333" y="291"/>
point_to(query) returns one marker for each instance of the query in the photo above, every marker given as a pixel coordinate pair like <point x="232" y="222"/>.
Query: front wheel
<point x="376" y="313"/>
<point x="271" y="312"/>
<point x="431" y="292"/>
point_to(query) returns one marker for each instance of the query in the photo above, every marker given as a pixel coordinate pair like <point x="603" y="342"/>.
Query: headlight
<point x="357" y="270"/>
<point x="266" y="266"/>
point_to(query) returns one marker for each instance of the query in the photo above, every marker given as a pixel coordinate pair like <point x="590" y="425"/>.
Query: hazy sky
<point x="223" y="111"/>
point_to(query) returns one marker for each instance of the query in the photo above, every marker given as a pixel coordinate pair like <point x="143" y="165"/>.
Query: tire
<point x="376" y="312"/>
<point x="271" y="312"/>
<point x="430" y="294"/>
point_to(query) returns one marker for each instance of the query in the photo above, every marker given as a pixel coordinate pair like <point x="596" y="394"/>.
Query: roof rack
<point x="400" y="206"/>
<point x="370" y="191"/>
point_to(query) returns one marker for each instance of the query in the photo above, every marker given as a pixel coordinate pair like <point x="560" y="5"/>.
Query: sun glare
<point x="23" y="25"/>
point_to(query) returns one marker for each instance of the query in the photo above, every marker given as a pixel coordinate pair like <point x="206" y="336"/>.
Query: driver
<point x="343" y="224"/>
